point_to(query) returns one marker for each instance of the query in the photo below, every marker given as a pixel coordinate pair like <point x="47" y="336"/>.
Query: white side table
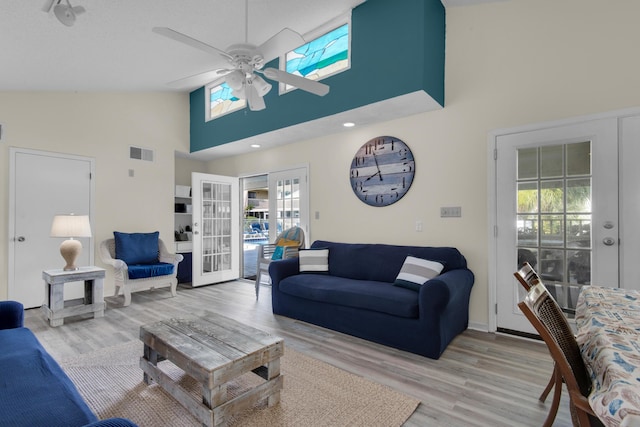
<point x="54" y="281"/>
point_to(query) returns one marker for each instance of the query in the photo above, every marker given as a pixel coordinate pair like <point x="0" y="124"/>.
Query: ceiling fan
<point x="246" y="61"/>
<point x="65" y="13"/>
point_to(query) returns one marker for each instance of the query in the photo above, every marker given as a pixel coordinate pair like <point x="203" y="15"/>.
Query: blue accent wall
<point x="397" y="47"/>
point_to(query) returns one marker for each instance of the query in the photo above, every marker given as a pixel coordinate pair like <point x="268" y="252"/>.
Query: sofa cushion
<point x="416" y="271"/>
<point x="367" y="295"/>
<point x="35" y="390"/>
<point x="314" y="261"/>
<point x="137" y="248"/>
<point x="143" y="271"/>
<point x="382" y="263"/>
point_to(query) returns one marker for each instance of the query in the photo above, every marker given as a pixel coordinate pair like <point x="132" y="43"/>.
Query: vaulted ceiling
<point x="111" y="46"/>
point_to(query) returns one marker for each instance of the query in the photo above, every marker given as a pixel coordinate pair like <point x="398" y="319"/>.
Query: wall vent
<point x="139" y="153"/>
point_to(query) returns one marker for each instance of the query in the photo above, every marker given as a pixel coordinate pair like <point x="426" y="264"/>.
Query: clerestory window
<point x="327" y="54"/>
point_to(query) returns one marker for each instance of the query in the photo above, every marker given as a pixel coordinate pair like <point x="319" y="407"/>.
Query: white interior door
<point x="557" y="207"/>
<point x="42" y="185"/>
<point x="216" y="228"/>
<point x="288" y="201"/>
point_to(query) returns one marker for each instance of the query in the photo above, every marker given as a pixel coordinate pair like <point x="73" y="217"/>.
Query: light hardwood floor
<point x="481" y="379"/>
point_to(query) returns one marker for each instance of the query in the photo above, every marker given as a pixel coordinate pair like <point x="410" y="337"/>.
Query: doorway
<point x="43" y="184"/>
<point x="272" y="202"/>
<point x="255" y="221"/>
<point x="215" y="229"/>
<point x="557" y="208"/>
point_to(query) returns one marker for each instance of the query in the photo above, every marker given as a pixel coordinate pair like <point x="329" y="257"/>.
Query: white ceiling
<point x="111" y="46"/>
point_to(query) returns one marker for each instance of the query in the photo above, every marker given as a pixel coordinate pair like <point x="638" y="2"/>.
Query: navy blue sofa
<point x="34" y="390"/>
<point x="357" y="296"/>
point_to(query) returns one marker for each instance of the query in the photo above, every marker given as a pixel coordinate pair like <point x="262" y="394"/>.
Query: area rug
<point x="315" y="393"/>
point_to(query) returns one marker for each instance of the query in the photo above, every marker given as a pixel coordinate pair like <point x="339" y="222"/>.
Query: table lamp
<point x="70" y="226"/>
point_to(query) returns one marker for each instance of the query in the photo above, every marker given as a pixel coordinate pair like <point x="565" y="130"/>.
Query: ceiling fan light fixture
<point x="240" y="93"/>
<point x="235" y="80"/>
<point x="255" y="101"/>
<point x="262" y="87"/>
<point x="66" y="13"/>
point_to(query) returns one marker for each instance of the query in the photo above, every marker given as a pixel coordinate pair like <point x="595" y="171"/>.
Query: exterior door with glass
<point x="216" y="230"/>
<point x="288" y="201"/>
<point x="557" y="208"/>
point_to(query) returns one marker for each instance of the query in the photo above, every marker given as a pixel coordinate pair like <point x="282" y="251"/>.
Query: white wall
<point x="102" y="126"/>
<point x="508" y="64"/>
<point x="184" y="167"/>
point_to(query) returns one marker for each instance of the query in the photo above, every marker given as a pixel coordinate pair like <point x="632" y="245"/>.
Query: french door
<point x="557" y="208"/>
<point x="216" y="229"/>
<point x="288" y="201"/>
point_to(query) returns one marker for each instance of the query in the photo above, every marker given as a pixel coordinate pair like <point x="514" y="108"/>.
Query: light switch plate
<point x="451" y="212"/>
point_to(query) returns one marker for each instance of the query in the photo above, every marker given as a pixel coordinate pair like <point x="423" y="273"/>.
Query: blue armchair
<point x="140" y="262"/>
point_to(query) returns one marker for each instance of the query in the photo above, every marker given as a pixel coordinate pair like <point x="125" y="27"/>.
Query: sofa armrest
<point x="444" y="304"/>
<point x="11" y="315"/>
<point x="281" y="269"/>
<point x="451" y="289"/>
<point x="113" y="422"/>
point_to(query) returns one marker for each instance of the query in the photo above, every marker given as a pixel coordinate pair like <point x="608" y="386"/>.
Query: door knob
<point x="21" y="239"/>
<point x="609" y="241"/>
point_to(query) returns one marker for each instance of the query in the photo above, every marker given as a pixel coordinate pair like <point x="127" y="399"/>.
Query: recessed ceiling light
<point x="255" y="145"/>
<point x="348" y="124"/>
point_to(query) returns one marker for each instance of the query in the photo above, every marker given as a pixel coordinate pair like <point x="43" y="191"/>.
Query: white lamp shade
<point x="261" y="86"/>
<point x="71" y="226"/>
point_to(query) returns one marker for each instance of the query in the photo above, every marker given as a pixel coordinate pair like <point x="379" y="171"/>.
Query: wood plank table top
<point x="214" y="350"/>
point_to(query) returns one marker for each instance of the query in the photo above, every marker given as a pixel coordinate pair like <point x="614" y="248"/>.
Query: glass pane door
<point x="288" y="201"/>
<point x="557" y="208"/>
<point x="554" y="217"/>
<point x="215" y="229"/>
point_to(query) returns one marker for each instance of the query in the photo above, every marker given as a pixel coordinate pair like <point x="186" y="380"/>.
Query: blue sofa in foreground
<point x="34" y="390"/>
<point x="360" y="293"/>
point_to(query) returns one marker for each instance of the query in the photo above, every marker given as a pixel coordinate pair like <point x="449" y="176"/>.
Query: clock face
<point x="382" y="171"/>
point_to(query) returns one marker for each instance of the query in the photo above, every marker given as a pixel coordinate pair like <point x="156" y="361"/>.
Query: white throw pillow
<point x="314" y="261"/>
<point x="416" y="271"/>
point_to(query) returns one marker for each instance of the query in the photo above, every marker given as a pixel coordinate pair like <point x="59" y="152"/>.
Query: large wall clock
<point x="382" y="171"/>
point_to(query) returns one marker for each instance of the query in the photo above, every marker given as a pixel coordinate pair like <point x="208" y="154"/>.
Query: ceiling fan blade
<point x="307" y="85"/>
<point x="78" y="10"/>
<point x="48" y="5"/>
<point x="285" y="41"/>
<point x="195" y="81"/>
<point x="190" y="41"/>
<point x="256" y="102"/>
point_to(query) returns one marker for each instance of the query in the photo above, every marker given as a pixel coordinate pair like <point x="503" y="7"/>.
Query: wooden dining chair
<point x="547" y="318"/>
<point x="528" y="278"/>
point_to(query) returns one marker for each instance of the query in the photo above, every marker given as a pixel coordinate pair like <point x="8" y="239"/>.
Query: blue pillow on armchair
<point x="137" y="248"/>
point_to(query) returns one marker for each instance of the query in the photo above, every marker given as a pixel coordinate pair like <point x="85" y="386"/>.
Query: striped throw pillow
<point x="416" y="271"/>
<point x="314" y="261"/>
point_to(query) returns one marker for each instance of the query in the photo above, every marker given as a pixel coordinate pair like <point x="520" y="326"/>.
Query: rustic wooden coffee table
<point x="213" y="350"/>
